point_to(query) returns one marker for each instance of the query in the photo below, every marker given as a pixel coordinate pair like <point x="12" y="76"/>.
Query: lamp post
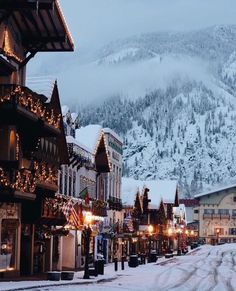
<point x="87" y="233"/>
<point x="178" y="231"/>
<point x="150" y="231"/>
<point x="217" y="235"/>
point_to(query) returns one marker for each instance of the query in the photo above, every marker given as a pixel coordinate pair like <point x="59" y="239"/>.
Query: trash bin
<point x="67" y="275"/>
<point x="54" y="276"/>
<point x="133" y="261"/>
<point x="153" y="256"/>
<point x="100" y="266"/>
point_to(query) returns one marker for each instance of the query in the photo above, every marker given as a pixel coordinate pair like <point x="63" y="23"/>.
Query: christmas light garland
<point x="34" y="105"/>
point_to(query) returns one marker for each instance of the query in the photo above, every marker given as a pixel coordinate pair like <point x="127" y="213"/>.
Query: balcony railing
<point x="115" y="203"/>
<point x="25" y="180"/>
<point x="216" y="216"/>
<point x="27" y="100"/>
<point x="99" y="208"/>
<point x="80" y="157"/>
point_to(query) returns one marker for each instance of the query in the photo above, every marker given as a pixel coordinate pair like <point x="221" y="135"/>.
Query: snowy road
<point x="208" y="268"/>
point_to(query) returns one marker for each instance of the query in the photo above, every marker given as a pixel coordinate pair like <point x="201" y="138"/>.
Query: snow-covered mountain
<point x="184" y="125"/>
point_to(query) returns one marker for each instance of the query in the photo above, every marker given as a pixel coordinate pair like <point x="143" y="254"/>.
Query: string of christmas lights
<point x="34" y="105"/>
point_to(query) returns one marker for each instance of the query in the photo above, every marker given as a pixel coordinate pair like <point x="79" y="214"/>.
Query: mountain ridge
<point x="184" y="130"/>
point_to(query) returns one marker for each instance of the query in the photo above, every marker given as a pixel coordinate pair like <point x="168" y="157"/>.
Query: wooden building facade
<point x="32" y="140"/>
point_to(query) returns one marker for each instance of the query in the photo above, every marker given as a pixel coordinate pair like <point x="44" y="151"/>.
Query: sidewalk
<point x="109" y="275"/>
<point x="28" y="283"/>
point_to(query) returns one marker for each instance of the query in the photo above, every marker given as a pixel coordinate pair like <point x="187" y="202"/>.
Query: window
<point x="219" y="231"/>
<point x="209" y="211"/>
<point x="65" y="180"/>
<point x="70" y="183"/>
<point x="60" y="180"/>
<point x="223" y="211"/>
<point x="8" y="243"/>
<point x="234" y="198"/>
<point x="233" y="212"/>
<point x="74" y="183"/>
<point x="8" y="144"/>
<point x="232" y="231"/>
<point x="196" y="211"/>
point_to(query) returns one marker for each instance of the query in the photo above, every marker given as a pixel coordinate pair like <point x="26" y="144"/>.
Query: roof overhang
<point x="5" y="67"/>
<point x="40" y="22"/>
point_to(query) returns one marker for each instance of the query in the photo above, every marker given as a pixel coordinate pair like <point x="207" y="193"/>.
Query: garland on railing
<point x="4" y="182"/>
<point x="54" y="204"/>
<point x="25" y="181"/>
<point x="33" y="105"/>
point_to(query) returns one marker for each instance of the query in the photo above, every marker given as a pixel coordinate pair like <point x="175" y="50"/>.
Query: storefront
<point x="10" y="233"/>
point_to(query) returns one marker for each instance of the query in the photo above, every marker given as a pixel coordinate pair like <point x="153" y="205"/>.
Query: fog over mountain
<point x="179" y="120"/>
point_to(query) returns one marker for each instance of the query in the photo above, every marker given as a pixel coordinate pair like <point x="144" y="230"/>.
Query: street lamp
<point x="87" y="233"/>
<point x="150" y="231"/>
<point x="217" y="234"/>
<point x="178" y="231"/>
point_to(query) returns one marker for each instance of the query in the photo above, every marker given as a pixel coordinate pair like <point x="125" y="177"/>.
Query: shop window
<point x="8" y="244"/>
<point x="8" y="143"/>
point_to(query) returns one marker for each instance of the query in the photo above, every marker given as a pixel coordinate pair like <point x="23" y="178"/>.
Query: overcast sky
<point x="94" y="23"/>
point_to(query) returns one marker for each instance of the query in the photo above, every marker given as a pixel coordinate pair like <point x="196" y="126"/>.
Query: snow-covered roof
<point x="222" y="188"/>
<point x="110" y="131"/>
<point x="64" y="110"/>
<point x="89" y="135"/>
<point x="71" y="139"/>
<point x="159" y="189"/>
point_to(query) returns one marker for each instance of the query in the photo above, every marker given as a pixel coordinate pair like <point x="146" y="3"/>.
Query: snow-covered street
<point x="206" y="268"/>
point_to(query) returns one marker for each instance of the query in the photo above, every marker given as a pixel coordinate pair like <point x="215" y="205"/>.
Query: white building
<point x="216" y="214"/>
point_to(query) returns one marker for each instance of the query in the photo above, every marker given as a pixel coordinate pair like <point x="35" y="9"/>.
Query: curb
<point x="62" y="284"/>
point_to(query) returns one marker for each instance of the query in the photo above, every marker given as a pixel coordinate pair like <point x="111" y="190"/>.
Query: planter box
<point x="54" y="276"/>
<point x="67" y="275"/>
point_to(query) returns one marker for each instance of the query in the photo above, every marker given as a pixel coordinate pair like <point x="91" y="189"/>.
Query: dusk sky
<point x="94" y="24"/>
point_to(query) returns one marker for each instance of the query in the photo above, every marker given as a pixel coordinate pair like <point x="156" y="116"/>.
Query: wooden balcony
<point x="20" y="105"/>
<point x="99" y="208"/>
<point x="115" y="203"/>
<point x="24" y="182"/>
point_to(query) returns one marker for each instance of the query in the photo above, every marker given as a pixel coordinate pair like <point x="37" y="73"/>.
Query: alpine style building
<point x="32" y="140"/>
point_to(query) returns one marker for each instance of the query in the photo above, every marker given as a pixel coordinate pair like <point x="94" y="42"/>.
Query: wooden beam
<point x="45" y="27"/>
<point x="13" y="5"/>
<point x="54" y="28"/>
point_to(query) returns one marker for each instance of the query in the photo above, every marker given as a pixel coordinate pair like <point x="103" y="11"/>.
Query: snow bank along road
<point x="207" y="268"/>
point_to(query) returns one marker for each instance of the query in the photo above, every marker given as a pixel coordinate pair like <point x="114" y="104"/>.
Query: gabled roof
<point x="92" y="136"/>
<point x="158" y="189"/>
<point x="215" y="190"/>
<point x="55" y="104"/>
<point x="89" y="136"/>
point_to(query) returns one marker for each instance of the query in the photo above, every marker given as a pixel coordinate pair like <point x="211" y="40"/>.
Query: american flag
<point x="70" y="214"/>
